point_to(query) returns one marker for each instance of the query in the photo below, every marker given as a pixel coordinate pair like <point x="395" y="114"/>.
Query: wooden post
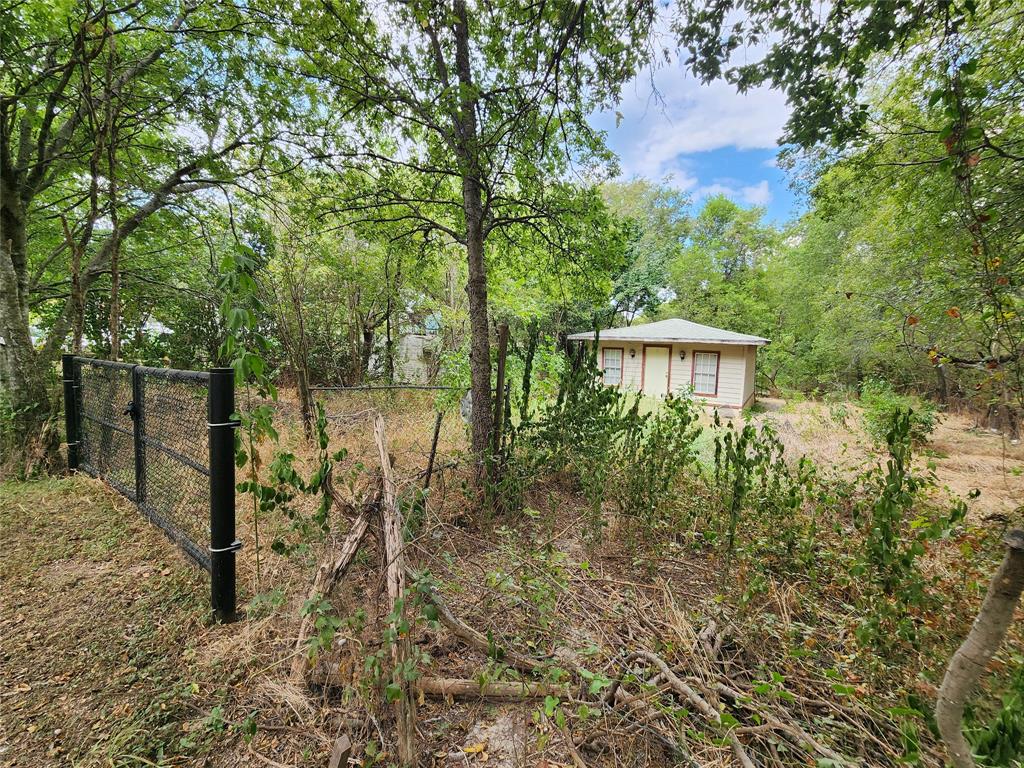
<point x="499" y="390"/>
<point x="433" y="450"/>
<point x="394" y="553"/>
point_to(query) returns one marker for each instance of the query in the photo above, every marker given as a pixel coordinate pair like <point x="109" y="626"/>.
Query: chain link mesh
<point x="143" y="430"/>
<point x="176" y="455"/>
<point x="410" y="417"/>
<point x="107" y="441"/>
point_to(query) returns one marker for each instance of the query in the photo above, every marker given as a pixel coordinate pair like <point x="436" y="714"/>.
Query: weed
<point x="895" y="537"/>
<point x="882" y="405"/>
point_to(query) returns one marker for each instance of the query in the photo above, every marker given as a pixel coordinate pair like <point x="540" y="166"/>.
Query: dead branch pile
<point x="679" y="688"/>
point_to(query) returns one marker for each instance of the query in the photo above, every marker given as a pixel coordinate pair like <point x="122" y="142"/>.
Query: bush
<point x="598" y="437"/>
<point x="882" y="405"/>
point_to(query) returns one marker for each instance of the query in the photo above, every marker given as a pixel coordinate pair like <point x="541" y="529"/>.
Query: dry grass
<point x="965" y="457"/>
<point x="106" y="624"/>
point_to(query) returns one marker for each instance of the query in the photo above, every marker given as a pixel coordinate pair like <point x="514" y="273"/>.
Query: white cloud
<point x="758" y="194"/>
<point x="686" y="117"/>
<point x="718" y="188"/>
<point x="754" y="194"/>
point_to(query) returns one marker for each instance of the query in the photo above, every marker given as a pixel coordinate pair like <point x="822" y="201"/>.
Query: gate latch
<point x="130" y="410"/>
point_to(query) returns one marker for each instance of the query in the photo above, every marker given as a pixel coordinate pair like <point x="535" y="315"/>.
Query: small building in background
<point x="681" y="357"/>
<point x="418" y="350"/>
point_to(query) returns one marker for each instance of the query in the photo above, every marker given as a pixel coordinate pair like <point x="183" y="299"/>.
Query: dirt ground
<point x="965" y="456"/>
<point x="99" y="616"/>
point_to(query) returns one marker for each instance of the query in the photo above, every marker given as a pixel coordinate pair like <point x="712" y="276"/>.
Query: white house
<point x="678" y="356"/>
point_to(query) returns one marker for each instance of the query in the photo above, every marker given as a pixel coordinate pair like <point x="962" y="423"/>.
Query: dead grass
<point x="97" y="613"/>
<point x="108" y="657"/>
<point x="966" y="458"/>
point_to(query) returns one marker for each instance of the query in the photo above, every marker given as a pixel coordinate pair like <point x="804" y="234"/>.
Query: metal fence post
<point x="223" y="544"/>
<point x="71" y="422"/>
<point x="139" y="433"/>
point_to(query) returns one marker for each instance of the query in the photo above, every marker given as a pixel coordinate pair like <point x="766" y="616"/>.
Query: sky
<point x="708" y="139"/>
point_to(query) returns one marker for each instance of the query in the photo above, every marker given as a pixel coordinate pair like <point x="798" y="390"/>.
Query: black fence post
<point x="223" y="544"/>
<point x="71" y="422"/>
<point x="139" y="434"/>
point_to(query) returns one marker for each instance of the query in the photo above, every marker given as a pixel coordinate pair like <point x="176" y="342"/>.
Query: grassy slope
<point x="99" y="616"/>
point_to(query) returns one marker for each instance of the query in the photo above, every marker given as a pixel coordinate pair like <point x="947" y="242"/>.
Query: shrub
<point x="597" y="436"/>
<point x="897" y="522"/>
<point x="882" y="405"/>
<point x="763" y="493"/>
<point x="1000" y="742"/>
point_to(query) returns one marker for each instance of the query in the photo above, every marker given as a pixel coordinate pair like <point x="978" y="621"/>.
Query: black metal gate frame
<point x="218" y="558"/>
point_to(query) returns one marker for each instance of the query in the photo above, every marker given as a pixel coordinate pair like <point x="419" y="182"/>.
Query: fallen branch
<point x="794" y="732"/>
<point x="970" y="660"/>
<point x="698" y="702"/>
<point x="394" y="548"/>
<point x="330" y="573"/>
<point x="459" y="688"/>
<point x="475" y="638"/>
<point x="684" y="690"/>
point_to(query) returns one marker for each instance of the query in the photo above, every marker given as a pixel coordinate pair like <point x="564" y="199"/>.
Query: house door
<point x="656" y="361"/>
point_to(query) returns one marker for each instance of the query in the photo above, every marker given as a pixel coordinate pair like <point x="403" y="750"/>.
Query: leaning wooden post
<point x="394" y="553"/>
<point x="499" y="400"/>
<point x="986" y="635"/>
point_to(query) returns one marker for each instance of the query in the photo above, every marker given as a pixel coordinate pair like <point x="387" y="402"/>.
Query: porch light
<point x="682" y="354"/>
<point x="632" y="352"/>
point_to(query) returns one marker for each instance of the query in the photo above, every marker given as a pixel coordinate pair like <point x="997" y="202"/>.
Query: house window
<point x="612" y="366"/>
<point x="705" y="373"/>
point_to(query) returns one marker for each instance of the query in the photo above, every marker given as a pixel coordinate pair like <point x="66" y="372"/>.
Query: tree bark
<point x="364" y="354"/>
<point x="466" y="129"/>
<point x="986" y="635"/>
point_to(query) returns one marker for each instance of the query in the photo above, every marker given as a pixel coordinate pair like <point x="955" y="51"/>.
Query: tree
<point x="820" y="57"/>
<point x="484" y="104"/>
<point x="659" y="220"/>
<point x="93" y="128"/>
<point x="717" y="278"/>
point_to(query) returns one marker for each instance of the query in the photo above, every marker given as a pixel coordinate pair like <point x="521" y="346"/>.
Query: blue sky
<point x="707" y="138"/>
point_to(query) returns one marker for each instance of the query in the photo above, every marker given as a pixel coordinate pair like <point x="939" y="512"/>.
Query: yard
<point x="109" y="658"/>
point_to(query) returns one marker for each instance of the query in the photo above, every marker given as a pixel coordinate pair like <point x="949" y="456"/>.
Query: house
<point x="416" y="355"/>
<point x="681" y="357"/>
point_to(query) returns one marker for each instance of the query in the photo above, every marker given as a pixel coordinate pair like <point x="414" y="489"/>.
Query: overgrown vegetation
<point x="359" y="193"/>
<point x="883" y="406"/>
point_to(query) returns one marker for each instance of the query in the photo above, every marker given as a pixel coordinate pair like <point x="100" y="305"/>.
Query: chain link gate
<point x="164" y="439"/>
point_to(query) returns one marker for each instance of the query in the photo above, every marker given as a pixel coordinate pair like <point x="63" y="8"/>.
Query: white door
<point x="656" y="371"/>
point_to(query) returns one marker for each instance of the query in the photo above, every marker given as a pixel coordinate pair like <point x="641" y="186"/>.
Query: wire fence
<point x="164" y="439"/>
<point x="423" y="423"/>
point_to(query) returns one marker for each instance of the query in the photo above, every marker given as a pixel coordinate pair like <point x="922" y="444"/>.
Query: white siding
<point x="735" y="370"/>
<point x="749" y="381"/>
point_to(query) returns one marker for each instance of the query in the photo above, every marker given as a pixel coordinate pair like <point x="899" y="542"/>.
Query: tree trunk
<point x="115" y="249"/>
<point x="23" y="379"/>
<point x="364" y="354"/>
<point x="984" y="639"/>
<point x="473" y="209"/>
<point x="942" y="387"/>
<point x="479" y="332"/>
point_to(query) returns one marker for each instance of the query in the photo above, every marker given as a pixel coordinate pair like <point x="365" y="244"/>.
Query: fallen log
<point x="460" y="688"/>
<point x="330" y="573"/>
<point x="394" y="554"/>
